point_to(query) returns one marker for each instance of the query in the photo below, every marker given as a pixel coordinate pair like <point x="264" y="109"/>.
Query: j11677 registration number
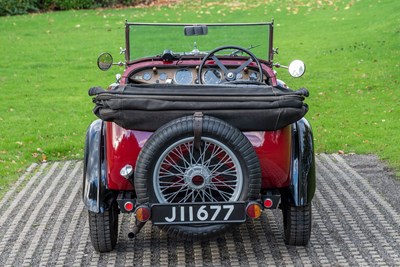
<point x="190" y="213"/>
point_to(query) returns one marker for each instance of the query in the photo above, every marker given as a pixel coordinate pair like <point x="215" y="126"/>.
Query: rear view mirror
<point x="297" y="68"/>
<point x="104" y="61"/>
<point x="195" y="30"/>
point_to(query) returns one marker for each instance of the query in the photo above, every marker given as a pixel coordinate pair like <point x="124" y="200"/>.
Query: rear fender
<point x="303" y="181"/>
<point x="95" y="193"/>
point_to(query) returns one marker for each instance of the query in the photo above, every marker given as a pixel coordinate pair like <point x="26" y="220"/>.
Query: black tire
<point x="296" y="224"/>
<point x="213" y="130"/>
<point x="103" y="229"/>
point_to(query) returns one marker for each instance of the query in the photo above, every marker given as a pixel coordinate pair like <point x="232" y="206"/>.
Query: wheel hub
<point x="197" y="176"/>
<point x="198" y="180"/>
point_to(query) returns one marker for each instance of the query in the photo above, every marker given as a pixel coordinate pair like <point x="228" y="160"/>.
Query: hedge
<point x="18" y="7"/>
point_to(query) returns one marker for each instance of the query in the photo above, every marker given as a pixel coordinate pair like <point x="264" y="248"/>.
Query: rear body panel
<point x="272" y="148"/>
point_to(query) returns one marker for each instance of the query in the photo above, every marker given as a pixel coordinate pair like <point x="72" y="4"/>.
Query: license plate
<point x="191" y="213"/>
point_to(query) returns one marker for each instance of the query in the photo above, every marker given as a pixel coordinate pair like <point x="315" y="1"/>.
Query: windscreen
<point x="151" y="40"/>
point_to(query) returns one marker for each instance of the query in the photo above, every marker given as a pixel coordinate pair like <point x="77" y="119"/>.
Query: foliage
<point x="18" y="7"/>
<point x="82" y="4"/>
<point x="15" y="7"/>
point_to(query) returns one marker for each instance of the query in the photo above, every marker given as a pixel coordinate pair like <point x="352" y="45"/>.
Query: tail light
<point x="128" y="206"/>
<point x="268" y="203"/>
<point x="253" y="210"/>
<point x="271" y="200"/>
<point x="142" y="213"/>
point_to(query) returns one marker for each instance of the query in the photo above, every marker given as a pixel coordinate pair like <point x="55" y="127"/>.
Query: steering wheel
<point x="230" y="75"/>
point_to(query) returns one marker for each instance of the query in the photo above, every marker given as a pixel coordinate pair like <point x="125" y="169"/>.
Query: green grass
<point x="351" y="49"/>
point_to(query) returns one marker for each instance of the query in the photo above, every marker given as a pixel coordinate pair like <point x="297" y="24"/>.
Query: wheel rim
<point x="184" y="174"/>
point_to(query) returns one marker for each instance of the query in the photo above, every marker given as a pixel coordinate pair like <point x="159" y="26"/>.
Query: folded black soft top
<point x="248" y="107"/>
<point x="200" y="90"/>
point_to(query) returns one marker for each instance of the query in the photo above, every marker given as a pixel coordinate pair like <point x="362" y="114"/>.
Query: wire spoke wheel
<point x="184" y="174"/>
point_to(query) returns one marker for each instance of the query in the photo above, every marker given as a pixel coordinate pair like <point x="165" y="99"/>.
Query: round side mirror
<point x="297" y="68"/>
<point x="104" y="61"/>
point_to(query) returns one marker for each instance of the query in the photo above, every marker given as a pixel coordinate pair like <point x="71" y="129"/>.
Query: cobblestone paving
<point x="355" y="223"/>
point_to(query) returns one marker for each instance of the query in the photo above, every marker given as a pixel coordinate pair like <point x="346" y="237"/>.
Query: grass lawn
<point x="351" y="49"/>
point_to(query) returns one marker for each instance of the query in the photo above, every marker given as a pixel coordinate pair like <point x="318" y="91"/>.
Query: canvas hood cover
<point x="146" y="107"/>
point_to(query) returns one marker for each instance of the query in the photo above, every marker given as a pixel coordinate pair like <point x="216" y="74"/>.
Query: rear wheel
<point x="296" y="224"/>
<point x="170" y="169"/>
<point x="103" y="228"/>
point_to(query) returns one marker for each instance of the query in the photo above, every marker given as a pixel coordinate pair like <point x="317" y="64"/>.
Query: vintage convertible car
<point x="198" y="135"/>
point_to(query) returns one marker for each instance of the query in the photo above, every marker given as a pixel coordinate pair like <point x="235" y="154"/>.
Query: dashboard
<point x="188" y="75"/>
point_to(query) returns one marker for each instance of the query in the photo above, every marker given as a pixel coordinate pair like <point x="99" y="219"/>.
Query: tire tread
<point x="297" y="224"/>
<point x="102" y="229"/>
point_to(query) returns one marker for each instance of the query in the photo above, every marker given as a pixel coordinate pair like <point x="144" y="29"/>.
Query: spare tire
<point x="169" y="169"/>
